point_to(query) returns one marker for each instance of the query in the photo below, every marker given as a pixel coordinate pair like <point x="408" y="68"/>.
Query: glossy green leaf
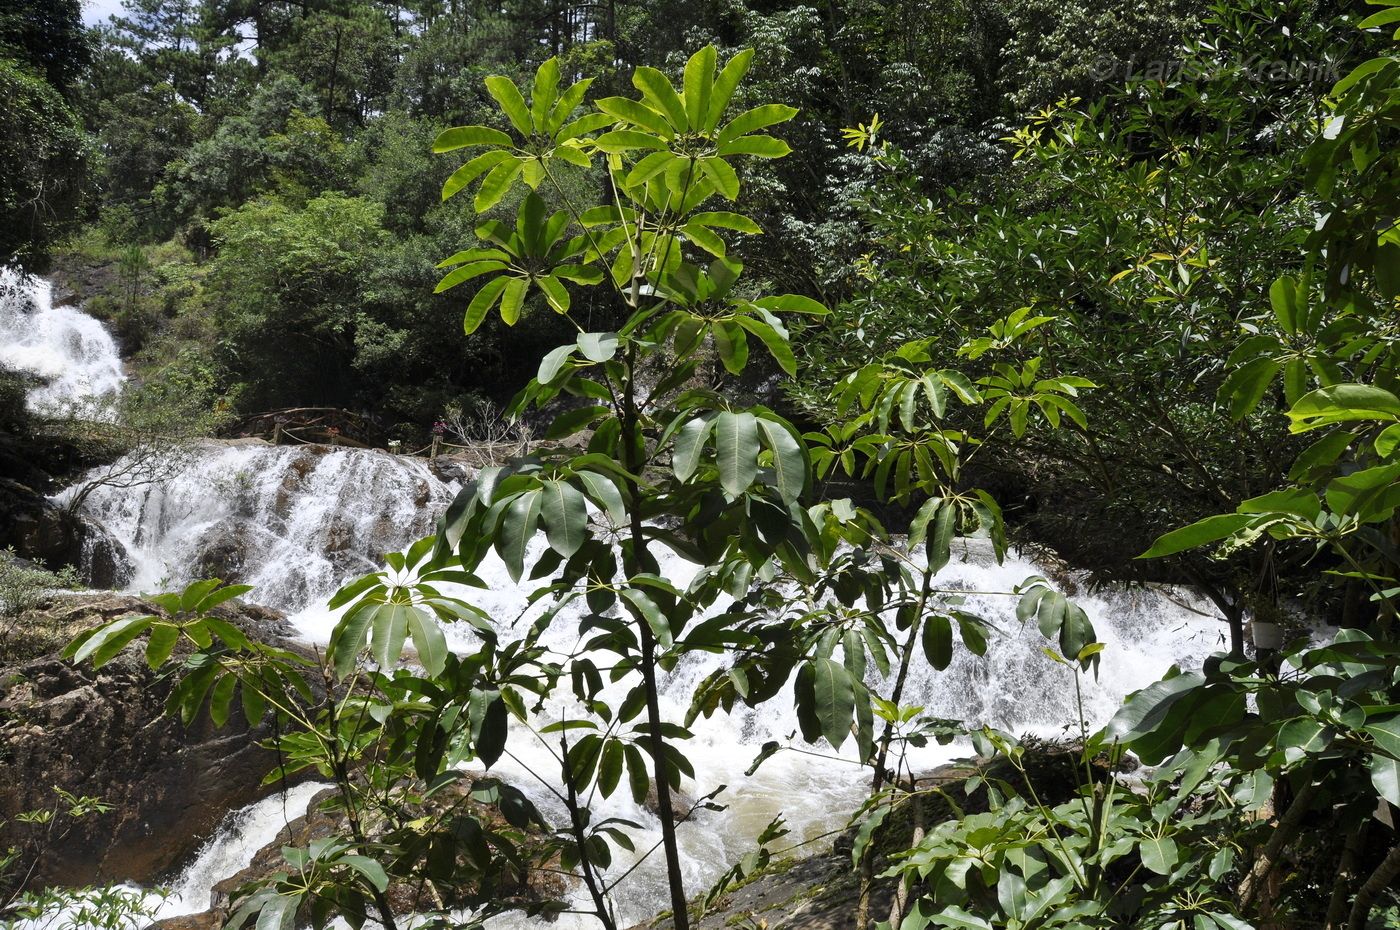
<point x="825" y="701"/>
<point x="565" y="517"/>
<point x="1209" y="530"/>
<point x="938" y="641"/>
<point x="689" y="448"/>
<point x="736" y="451"/>
<point x="512" y="102"/>
<point x="463" y="136"/>
<point x="517" y="527"/>
<point x="512" y="299"/>
<point x="428" y="641"/>
<point x="789" y="464"/>
<point x="482" y="303"/>
<point x="658" y="91"/>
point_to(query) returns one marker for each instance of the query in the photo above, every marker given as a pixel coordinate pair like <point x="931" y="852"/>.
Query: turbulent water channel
<point x="297" y="522"/>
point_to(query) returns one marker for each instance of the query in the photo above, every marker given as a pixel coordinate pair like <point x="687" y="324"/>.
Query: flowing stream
<point x="299" y="521"/>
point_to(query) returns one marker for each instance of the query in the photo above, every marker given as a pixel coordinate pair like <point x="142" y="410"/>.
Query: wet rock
<point x="105" y="562"/>
<point x="41" y="531"/>
<point x="681" y="803"/>
<point x="449" y="468"/>
<point x="821" y="892"/>
<point x="102" y="734"/>
<point x="205" y="920"/>
<point x="224" y="555"/>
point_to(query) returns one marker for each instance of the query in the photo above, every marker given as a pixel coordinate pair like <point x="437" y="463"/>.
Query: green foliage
<point x="110" y="908"/>
<point x="1133" y="234"/>
<point x="24" y="586"/>
<point x="1339" y="386"/>
<point x="1135" y="322"/>
<point x="43" y="165"/>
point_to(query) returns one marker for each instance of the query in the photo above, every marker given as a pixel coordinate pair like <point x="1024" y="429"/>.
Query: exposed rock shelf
<point x="103" y="734"/>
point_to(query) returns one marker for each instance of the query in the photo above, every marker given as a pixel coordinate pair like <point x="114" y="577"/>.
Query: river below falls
<point x="296" y="522"/>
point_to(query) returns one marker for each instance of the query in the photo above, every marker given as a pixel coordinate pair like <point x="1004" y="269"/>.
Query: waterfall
<point x="298" y="521"/>
<point x="72" y="355"/>
<point x="293" y="521"/>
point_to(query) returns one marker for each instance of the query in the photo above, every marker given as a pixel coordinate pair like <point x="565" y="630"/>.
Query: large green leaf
<point x="736" y="451"/>
<point x="1385" y="776"/>
<point x="774" y="341"/>
<point x="1386" y="733"/>
<point x="757" y="146"/>
<point x="651" y="613"/>
<point x="512" y="102"/>
<point x="428" y="640"/>
<point x="388" y="630"/>
<point x="789" y="464"/>
<point x="1341" y="403"/>
<point x="110" y="639"/>
<point x="825" y="701"/>
<point x="658" y="91"/>
<point x="598" y="347"/>
<point x="699" y="80"/>
<point x="639" y="115"/>
<point x="938" y="641"/>
<point x="512" y="299"/>
<point x="565" y="517"/>
<point x="462" y="136"/>
<point x="1159" y="854"/>
<point x="1245" y="387"/>
<point x="517" y="526"/>
<point x="1211" y="529"/>
<point x="758" y="118"/>
<point x="348" y="637"/>
<point x="940" y="536"/>
<point x="1150" y="706"/>
<point x="544" y="93"/>
<point x="497" y="184"/>
<point x="689" y="447"/>
<point x="725" y="85"/>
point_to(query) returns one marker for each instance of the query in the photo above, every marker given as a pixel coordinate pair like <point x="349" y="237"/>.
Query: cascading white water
<point x="69" y="352"/>
<point x="303" y="521"/>
<point x="293" y="521"/>
<point x="230" y="850"/>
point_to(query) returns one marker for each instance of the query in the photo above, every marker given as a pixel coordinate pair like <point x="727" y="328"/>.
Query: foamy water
<point x="308" y="520"/>
<point x="72" y="355"/>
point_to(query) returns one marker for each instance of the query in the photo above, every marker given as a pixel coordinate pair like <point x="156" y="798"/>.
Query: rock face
<point x="102" y="734"/>
<point x="41" y="531"/>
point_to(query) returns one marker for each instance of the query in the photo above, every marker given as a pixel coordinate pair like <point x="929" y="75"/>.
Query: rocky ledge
<point x="102" y="734"/>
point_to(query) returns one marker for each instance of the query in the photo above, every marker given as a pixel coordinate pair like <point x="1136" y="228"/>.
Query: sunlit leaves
<point x="535" y="253"/>
<point x="740" y="442"/>
<point x="544" y="137"/>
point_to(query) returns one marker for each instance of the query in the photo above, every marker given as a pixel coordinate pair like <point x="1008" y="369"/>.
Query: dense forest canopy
<point x="799" y="292"/>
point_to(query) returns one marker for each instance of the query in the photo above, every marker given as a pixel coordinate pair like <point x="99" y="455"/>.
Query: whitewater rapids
<point x="311" y="518"/>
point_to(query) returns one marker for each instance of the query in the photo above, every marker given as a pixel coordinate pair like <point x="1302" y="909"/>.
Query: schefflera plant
<point x="663" y="440"/>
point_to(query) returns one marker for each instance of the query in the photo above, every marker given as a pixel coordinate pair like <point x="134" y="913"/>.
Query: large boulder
<point x="103" y="734"/>
<point x="41" y="531"/>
